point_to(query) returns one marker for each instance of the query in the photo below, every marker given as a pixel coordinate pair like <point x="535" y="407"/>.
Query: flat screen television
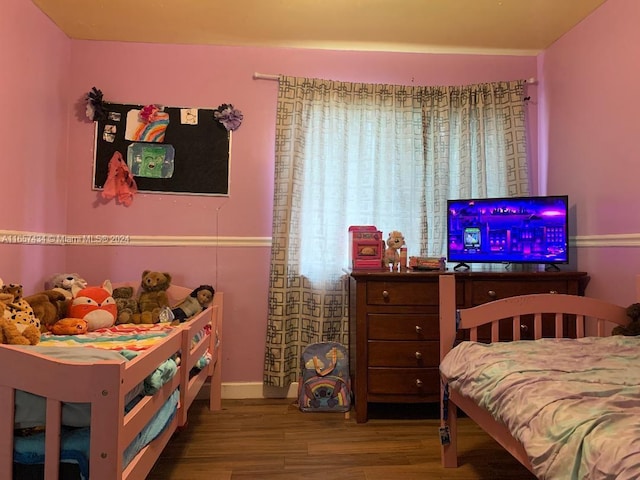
<point x="509" y="230"/>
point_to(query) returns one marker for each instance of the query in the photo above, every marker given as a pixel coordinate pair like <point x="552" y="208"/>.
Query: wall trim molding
<point x="96" y="240"/>
<point x="607" y="240"/>
<point x="123" y="240"/>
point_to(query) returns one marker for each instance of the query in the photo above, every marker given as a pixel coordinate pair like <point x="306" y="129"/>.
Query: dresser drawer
<point x="403" y="293"/>
<point x="486" y="290"/>
<point x="414" y="354"/>
<point x="405" y="381"/>
<point x="389" y="326"/>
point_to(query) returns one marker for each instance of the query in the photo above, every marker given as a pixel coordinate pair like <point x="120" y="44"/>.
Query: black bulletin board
<point x="202" y="151"/>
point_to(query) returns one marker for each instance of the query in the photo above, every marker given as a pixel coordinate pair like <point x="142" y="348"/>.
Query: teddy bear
<point x="126" y="303"/>
<point x="392" y="252"/>
<point x="198" y="300"/>
<point x="12" y="333"/>
<point x="153" y="296"/>
<point x="633" y="327"/>
<point x="64" y="282"/>
<point x="48" y="307"/>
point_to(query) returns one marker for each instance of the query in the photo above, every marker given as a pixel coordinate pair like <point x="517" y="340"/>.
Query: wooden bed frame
<point x="104" y="385"/>
<point x="593" y="313"/>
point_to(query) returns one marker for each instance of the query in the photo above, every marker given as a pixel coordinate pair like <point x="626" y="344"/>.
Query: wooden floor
<point x="273" y="440"/>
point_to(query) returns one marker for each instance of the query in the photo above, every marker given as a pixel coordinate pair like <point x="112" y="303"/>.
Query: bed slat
<point x="52" y="439"/>
<point x="7" y="405"/>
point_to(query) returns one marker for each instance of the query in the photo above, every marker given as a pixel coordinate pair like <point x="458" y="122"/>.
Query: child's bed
<point x="107" y="412"/>
<point x="565" y="408"/>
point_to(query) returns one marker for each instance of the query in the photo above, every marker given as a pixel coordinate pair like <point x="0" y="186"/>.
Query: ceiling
<point x="519" y="27"/>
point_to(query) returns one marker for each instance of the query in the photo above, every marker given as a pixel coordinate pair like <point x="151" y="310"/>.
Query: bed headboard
<point x="587" y="312"/>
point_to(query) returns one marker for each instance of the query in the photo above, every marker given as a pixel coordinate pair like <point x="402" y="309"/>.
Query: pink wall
<point x="34" y="85"/>
<point x="589" y="78"/>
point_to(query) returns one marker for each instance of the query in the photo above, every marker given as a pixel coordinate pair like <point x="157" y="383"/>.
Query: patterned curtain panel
<point x="368" y="154"/>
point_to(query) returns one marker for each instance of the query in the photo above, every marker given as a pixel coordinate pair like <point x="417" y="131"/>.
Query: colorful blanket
<point x="573" y="404"/>
<point x="127" y="336"/>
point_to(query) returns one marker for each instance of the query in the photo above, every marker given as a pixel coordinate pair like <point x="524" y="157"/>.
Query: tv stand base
<point x="461" y="267"/>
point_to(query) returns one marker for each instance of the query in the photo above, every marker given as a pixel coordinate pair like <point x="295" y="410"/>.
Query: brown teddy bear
<point x="48" y="307"/>
<point x="153" y="296"/>
<point x="12" y="333"/>
<point x="126" y="303"/>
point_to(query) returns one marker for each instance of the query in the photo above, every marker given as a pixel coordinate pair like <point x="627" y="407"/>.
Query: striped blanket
<point x="127" y="336"/>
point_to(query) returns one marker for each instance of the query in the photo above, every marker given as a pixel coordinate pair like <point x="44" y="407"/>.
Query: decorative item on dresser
<point x="394" y="338"/>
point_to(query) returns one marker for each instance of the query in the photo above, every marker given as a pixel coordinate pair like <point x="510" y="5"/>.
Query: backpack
<point x="324" y="384"/>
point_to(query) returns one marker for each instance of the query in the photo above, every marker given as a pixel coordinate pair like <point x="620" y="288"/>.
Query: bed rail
<point x="194" y="346"/>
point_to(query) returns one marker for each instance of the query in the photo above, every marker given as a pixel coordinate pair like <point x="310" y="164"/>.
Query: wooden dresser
<point x="393" y="326"/>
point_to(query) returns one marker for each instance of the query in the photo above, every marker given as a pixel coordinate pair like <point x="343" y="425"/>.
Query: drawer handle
<point x="385" y="294"/>
<point x="553" y="291"/>
<point x="418" y="383"/>
<point x="418" y="355"/>
<point x="418" y="329"/>
<point x="492" y="293"/>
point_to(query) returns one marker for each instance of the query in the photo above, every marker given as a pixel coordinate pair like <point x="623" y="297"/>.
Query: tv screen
<point x="508" y="230"/>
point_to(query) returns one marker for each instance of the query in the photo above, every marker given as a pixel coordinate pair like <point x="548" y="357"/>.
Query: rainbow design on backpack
<point x="325" y="393"/>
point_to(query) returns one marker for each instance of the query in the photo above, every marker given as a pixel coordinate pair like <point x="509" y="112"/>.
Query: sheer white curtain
<point x="361" y="163"/>
<point x="369" y="154"/>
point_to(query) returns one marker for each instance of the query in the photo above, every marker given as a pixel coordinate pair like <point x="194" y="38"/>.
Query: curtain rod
<point x="265" y="76"/>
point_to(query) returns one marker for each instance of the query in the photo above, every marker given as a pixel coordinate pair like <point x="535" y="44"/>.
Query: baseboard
<point x="240" y="390"/>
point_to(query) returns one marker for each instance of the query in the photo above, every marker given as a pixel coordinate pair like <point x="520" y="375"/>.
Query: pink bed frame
<point x="593" y="313"/>
<point x="104" y="385"/>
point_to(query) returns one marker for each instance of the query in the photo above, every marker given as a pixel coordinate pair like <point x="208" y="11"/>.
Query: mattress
<point x="574" y="404"/>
